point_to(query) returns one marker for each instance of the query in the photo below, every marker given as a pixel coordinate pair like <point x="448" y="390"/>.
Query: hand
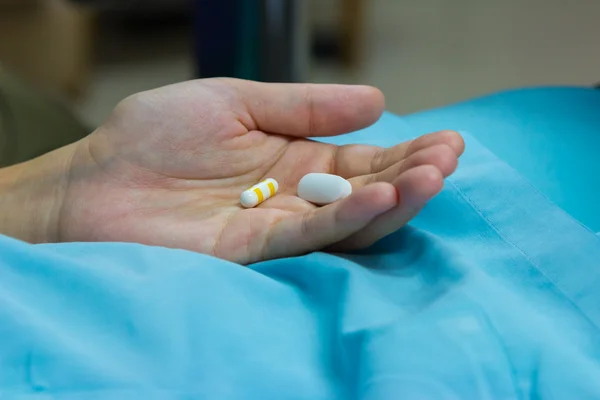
<point x="168" y="166"/>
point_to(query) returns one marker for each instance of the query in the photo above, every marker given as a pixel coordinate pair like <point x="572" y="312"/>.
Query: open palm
<point x="168" y="166"/>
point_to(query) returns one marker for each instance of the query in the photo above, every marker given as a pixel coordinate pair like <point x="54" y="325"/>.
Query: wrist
<point x="32" y="194"/>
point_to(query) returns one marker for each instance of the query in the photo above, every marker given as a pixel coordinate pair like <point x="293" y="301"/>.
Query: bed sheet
<point x="490" y="293"/>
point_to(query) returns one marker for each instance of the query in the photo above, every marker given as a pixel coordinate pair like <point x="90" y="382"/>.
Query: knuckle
<point x="378" y="160"/>
<point x="305" y="224"/>
<point x="309" y="99"/>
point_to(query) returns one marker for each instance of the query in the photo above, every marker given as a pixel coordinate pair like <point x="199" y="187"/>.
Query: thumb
<point x="306" y="110"/>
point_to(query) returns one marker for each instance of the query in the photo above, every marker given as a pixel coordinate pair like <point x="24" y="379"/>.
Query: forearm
<point x="31" y="197"/>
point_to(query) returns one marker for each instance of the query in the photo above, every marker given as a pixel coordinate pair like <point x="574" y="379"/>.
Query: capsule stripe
<point x="271" y="188"/>
<point x="259" y="195"/>
<point x="257" y="185"/>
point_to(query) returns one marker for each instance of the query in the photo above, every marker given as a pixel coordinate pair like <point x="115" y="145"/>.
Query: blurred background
<point x="70" y="61"/>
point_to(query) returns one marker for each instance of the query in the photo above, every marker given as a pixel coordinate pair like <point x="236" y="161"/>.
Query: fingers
<point x="306" y="110"/>
<point x="355" y="160"/>
<point x="450" y="138"/>
<point x="415" y="187"/>
<point x="441" y="156"/>
<point x="318" y="228"/>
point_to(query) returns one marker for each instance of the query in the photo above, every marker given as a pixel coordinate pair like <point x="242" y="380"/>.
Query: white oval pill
<point x="323" y="189"/>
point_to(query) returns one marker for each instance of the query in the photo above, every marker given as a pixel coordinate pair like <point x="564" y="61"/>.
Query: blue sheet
<point x="550" y="135"/>
<point x="491" y="293"/>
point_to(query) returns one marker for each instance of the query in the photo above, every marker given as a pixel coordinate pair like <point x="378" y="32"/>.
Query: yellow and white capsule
<point x="259" y="193"/>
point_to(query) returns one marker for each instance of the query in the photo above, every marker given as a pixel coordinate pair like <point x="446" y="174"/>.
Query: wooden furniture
<point x="47" y="43"/>
<point x="351" y="30"/>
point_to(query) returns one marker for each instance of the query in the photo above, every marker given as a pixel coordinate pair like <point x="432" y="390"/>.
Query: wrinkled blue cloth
<point x="550" y="135"/>
<point x="491" y="293"/>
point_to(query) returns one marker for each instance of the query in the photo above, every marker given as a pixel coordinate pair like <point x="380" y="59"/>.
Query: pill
<point x="259" y="193"/>
<point x="321" y="189"/>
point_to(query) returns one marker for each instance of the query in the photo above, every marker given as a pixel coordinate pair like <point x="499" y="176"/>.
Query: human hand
<point x="168" y="166"/>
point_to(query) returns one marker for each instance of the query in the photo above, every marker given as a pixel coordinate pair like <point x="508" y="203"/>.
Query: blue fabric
<point x="550" y="135"/>
<point x="492" y="292"/>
